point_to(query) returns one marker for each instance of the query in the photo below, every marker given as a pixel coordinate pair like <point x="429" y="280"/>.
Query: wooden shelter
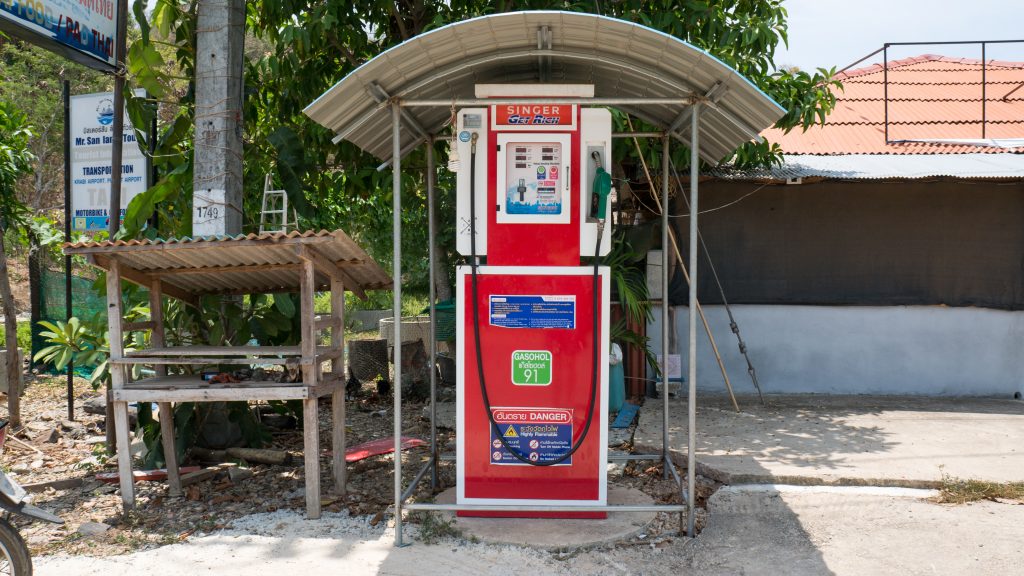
<point x="267" y="263"/>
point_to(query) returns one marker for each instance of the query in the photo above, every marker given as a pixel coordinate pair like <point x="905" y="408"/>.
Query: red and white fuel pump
<point x="533" y="341"/>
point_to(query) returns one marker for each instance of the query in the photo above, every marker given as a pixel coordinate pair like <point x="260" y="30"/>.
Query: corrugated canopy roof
<point x="244" y="264"/>
<point x="621" y="59"/>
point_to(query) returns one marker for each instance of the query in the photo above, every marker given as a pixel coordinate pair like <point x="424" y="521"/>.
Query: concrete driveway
<point x="791" y="531"/>
<point x="847" y="440"/>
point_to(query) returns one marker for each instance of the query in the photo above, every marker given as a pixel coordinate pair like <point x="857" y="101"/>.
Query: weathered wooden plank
<point x="329" y="322"/>
<point x="338" y="464"/>
<point x="124" y="456"/>
<point x="219" y="351"/>
<point x="328" y="355"/>
<point x="205" y="473"/>
<point x="145" y="280"/>
<point x="170" y="452"/>
<point x="136" y="326"/>
<point x="328" y="267"/>
<point x="203" y="361"/>
<point x="212" y="394"/>
<point x="311" y="449"/>
<point x="156" y="316"/>
<point x="194" y="381"/>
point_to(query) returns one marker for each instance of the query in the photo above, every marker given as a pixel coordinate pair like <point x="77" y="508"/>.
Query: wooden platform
<point x="195" y="389"/>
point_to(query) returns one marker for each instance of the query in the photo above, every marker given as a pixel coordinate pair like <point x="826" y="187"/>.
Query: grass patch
<point x="433" y="527"/>
<point x="961" y="491"/>
<point x="24" y="336"/>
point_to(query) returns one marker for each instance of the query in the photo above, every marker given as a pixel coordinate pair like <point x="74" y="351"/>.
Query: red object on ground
<point x="378" y="447"/>
<point x="138" y="475"/>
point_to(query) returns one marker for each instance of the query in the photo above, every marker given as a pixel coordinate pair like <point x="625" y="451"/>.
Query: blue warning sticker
<point x="533" y="311"/>
<point x="539" y="434"/>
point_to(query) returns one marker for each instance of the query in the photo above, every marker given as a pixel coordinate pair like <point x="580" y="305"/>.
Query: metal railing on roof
<point x="984" y="65"/>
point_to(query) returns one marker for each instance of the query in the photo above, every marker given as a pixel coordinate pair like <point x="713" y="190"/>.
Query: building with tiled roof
<point x="933" y="105"/>
<point x="861" y="265"/>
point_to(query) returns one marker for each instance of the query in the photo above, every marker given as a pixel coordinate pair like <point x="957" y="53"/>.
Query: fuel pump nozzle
<point x="602" y="188"/>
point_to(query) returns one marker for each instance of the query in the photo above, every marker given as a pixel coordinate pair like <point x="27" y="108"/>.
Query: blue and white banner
<point x="92" y="124"/>
<point x="84" y="27"/>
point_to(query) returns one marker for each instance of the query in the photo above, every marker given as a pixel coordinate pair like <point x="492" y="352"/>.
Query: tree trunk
<point x="442" y="289"/>
<point x="10" y="340"/>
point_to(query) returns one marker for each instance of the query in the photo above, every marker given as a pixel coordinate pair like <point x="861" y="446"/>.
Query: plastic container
<point x="616" y="380"/>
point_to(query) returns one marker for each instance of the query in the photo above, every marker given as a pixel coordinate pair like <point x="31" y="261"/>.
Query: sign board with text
<point x="83" y="30"/>
<point x="92" y="119"/>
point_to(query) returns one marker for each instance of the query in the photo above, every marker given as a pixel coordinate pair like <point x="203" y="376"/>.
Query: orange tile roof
<point x="930" y="97"/>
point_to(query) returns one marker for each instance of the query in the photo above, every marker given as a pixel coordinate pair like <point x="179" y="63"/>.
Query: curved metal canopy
<point x="621" y="59"/>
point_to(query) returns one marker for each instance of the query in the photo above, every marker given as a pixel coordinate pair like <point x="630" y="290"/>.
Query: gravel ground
<point x="51" y="450"/>
<point x="804" y="533"/>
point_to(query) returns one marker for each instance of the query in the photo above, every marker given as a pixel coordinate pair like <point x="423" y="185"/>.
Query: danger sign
<point x="537" y="434"/>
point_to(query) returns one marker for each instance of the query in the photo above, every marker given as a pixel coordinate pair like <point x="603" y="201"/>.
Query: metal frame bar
<point x="402" y="494"/>
<point x="885" y="88"/>
<point x="546" y="508"/>
<point x="396" y="266"/>
<point x="885" y="77"/>
<point x="476" y="102"/>
<point x="691" y="450"/>
<point x="983" y="66"/>
<point x="665" y="316"/>
<point x="431" y="236"/>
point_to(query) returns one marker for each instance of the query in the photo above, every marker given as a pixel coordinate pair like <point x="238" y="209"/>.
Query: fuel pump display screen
<point x="533" y="178"/>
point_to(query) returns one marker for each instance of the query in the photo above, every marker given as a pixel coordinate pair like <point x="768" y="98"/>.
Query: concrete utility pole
<point x="217" y="180"/>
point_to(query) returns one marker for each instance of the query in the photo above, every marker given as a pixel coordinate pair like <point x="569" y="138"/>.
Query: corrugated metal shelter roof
<point x="244" y="264"/>
<point x="935" y="107"/>
<point x="621" y="59"/>
<point x="886" y="167"/>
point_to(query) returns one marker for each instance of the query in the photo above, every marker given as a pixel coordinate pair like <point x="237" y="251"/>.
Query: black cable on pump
<point x="476" y="328"/>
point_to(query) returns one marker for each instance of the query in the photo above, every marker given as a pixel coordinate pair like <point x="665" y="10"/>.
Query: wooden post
<point x="117" y="378"/>
<point x="166" y="410"/>
<point x="338" y="465"/>
<point x="310" y="372"/>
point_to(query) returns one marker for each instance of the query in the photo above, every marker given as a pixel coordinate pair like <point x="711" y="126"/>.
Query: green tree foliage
<point x="32" y="79"/>
<point x="299" y="48"/>
<point x="15" y="161"/>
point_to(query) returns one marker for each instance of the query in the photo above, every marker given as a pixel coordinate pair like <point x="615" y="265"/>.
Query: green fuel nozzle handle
<point x="602" y="188"/>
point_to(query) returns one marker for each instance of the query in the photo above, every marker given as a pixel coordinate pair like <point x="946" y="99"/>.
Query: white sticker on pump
<point x="533" y="174"/>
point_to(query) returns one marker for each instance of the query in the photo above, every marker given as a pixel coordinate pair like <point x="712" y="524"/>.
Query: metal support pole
<point x="664" y="302"/>
<point x="67" y="238"/>
<point x="396" y="267"/>
<point x="431" y="232"/>
<point x="691" y="450"/>
<point x="983" y="103"/>
<point x="885" y="88"/>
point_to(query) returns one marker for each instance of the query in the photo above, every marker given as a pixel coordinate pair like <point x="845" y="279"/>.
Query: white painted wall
<point x="931" y="350"/>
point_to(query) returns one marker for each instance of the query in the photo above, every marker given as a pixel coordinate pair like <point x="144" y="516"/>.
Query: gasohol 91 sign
<point x="531" y="367"/>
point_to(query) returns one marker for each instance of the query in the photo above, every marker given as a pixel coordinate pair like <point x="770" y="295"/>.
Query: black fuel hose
<point x="476" y="331"/>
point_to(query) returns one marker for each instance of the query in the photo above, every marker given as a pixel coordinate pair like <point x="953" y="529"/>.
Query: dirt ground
<point x="68" y="456"/>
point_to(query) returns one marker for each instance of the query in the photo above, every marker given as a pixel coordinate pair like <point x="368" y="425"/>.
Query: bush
<point x="24" y="336"/>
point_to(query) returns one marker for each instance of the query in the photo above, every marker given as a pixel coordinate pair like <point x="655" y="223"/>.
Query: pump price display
<point x="531" y="368"/>
<point x="533" y="178"/>
<point x="537" y="434"/>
